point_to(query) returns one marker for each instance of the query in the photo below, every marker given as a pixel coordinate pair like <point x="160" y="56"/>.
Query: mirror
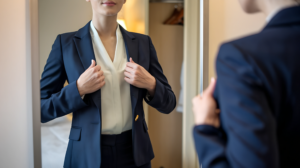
<point x="163" y="22"/>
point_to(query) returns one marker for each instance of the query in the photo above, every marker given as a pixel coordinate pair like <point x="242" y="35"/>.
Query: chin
<point x="109" y="12"/>
<point x="249" y="6"/>
<point x="251" y="11"/>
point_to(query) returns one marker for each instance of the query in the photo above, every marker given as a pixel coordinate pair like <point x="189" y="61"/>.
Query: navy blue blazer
<point x="71" y="55"/>
<point x="258" y="92"/>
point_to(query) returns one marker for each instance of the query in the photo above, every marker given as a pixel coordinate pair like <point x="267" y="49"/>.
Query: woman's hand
<point x="205" y="107"/>
<point x="90" y="80"/>
<point x="138" y="76"/>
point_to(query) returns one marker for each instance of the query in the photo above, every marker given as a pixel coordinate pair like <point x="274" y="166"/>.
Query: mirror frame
<point x="195" y="60"/>
<point x="34" y="92"/>
<point x="195" y="55"/>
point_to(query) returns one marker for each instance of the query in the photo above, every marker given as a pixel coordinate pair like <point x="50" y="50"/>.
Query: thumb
<point x="92" y="64"/>
<point x="131" y="60"/>
<point x="211" y="88"/>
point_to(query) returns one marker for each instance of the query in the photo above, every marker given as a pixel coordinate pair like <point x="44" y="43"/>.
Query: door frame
<point x="195" y="71"/>
<point x="33" y="62"/>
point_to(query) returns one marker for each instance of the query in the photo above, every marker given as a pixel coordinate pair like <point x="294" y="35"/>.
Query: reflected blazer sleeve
<point x="164" y="99"/>
<point x="56" y="100"/>
<point x="246" y="117"/>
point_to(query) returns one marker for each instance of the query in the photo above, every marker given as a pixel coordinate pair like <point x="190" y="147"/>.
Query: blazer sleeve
<point x="56" y="100"/>
<point x="246" y="118"/>
<point x="164" y="99"/>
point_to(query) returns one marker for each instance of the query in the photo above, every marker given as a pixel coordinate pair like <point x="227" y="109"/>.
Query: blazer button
<point x="137" y="117"/>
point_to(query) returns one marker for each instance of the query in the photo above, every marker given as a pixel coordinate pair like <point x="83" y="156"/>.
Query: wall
<point x="136" y="15"/>
<point x="19" y="100"/>
<point x="227" y="21"/>
<point x="57" y="17"/>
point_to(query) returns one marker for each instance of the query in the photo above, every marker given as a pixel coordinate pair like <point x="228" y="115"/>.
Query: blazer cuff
<point x="208" y="129"/>
<point x="157" y="98"/>
<point x="74" y="96"/>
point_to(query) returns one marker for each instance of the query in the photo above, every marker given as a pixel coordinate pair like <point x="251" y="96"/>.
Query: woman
<point x="110" y="71"/>
<point x="258" y="95"/>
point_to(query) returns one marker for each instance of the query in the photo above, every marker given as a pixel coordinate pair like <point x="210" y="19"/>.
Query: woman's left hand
<point x="138" y="76"/>
<point x="205" y="107"/>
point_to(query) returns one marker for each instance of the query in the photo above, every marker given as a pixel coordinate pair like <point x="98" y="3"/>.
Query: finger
<point x="128" y="80"/>
<point x="128" y="75"/>
<point x="130" y="70"/>
<point x="196" y="99"/>
<point x="99" y="74"/>
<point x="211" y="88"/>
<point x="102" y="84"/>
<point x="131" y="60"/>
<point x="131" y="65"/>
<point x="101" y="79"/>
<point x="97" y="68"/>
<point x="93" y="63"/>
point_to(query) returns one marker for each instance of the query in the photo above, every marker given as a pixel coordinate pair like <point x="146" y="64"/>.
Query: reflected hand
<point x="138" y="76"/>
<point x="90" y="80"/>
<point x="205" y="107"/>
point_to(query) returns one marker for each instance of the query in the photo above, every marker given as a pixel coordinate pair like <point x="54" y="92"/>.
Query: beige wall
<point x="227" y="21"/>
<point x="57" y="17"/>
<point x="135" y="13"/>
<point x="17" y="108"/>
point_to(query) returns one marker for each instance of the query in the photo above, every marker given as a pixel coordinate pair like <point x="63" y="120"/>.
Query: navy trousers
<point x="117" y="151"/>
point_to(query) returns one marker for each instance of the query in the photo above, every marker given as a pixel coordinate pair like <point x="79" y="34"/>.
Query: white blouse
<point x="116" y="110"/>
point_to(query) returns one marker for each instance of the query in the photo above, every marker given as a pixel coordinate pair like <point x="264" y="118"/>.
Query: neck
<point x="270" y="7"/>
<point x="105" y="25"/>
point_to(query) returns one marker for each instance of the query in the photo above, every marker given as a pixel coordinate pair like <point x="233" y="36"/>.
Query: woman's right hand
<point x="205" y="107"/>
<point x="90" y="80"/>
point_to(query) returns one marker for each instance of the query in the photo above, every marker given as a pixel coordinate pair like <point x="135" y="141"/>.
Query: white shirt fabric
<point x="116" y="110"/>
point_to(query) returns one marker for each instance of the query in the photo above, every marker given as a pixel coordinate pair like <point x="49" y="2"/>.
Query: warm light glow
<point x="122" y="23"/>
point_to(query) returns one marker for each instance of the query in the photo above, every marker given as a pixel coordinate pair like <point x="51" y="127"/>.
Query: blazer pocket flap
<point x="145" y="125"/>
<point x="75" y="133"/>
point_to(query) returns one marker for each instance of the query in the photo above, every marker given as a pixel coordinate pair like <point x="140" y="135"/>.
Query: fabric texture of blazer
<point x="258" y="93"/>
<point x="71" y="55"/>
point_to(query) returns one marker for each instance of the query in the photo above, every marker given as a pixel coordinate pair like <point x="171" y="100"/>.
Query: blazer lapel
<point x="83" y="42"/>
<point x="132" y="50"/>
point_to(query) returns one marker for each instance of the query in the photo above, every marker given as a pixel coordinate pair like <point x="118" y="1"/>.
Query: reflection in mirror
<point x="164" y="24"/>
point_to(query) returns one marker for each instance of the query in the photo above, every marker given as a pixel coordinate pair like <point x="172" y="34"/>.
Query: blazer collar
<point x="285" y="17"/>
<point x="85" y="31"/>
<point x="125" y="32"/>
<point x="84" y="45"/>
